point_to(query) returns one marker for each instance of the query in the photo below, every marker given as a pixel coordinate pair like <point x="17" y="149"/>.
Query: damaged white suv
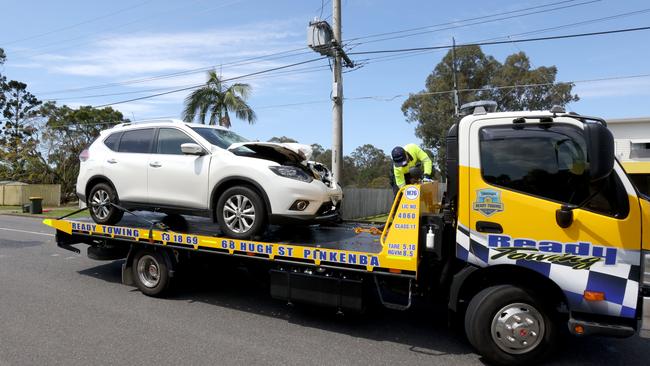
<point x="183" y="168"/>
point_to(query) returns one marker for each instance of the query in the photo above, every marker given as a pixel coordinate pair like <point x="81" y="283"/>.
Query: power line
<point x="246" y="61"/>
<point x="455" y="24"/>
<point x="198" y="86"/>
<point x="625" y="30"/>
<point x="275" y="74"/>
<point x="396" y="96"/>
<point x="182" y="73"/>
<point x="77" y="24"/>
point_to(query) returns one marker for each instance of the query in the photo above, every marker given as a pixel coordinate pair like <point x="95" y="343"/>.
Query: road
<point x="58" y="308"/>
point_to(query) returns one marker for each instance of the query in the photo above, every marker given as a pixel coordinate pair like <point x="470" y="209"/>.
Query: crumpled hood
<point x="278" y="152"/>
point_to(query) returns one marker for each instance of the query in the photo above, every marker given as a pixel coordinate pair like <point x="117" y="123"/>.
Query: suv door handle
<point x="111" y="161"/>
<point x="155" y="164"/>
<point x="489" y="227"/>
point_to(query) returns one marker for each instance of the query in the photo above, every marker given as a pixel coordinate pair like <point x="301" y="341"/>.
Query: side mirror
<point x="192" y="149"/>
<point x="600" y="149"/>
<point x="564" y="216"/>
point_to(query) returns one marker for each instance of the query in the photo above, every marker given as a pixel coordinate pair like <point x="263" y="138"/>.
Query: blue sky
<point x="58" y="46"/>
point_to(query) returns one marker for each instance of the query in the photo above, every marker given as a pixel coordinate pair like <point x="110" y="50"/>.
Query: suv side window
<point x="170" y="141"/>
<point x="112" y="140"/>
<point x="136" y="141"/>
<point x="549" y="161"/>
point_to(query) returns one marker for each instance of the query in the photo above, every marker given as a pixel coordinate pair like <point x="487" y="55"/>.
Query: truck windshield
<point x="218" y="137"/>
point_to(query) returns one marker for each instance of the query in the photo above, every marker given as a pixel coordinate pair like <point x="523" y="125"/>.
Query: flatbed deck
<point x="346" y="246"/>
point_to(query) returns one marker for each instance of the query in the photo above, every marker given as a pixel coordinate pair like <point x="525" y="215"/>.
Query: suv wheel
<point x="99" y="201"/>
<point x="241" y="213"/>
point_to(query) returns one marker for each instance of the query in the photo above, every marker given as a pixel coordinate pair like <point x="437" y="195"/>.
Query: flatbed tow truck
<point x="539" y="230"/>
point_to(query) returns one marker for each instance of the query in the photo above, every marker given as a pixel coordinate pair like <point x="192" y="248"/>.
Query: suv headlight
<point x="291" y="172"/>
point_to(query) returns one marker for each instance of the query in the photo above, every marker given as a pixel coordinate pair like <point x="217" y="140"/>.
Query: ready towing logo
<point x="488" y="202"/>
<point x="579" y="255"/>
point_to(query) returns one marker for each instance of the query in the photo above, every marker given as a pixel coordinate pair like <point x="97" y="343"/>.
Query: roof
<point x="162" y="122"/>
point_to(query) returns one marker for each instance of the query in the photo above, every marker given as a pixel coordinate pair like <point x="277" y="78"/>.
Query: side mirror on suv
<point x="192" y="149"/>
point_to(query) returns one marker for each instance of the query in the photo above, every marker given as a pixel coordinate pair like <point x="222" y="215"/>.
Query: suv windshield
<point x="221" y="138"/>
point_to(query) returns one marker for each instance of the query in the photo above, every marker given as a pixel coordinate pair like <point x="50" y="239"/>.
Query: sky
<point x="97" y="53"/>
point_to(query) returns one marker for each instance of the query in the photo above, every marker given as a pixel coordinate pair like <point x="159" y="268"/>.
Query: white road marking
<point x="27" y="232"/>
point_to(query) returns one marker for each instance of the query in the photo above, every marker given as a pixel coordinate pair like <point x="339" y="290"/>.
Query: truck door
<point x="520" y="174"/>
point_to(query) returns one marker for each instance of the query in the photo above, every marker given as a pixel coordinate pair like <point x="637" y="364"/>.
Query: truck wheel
<point x="508" y="326"/>
<point x="151" y="273"/>
<point x="241" y="213"/>
<point x="99" y="200"/>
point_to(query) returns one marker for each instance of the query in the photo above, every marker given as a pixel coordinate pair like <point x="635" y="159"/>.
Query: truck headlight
<point x="291" y="172"/>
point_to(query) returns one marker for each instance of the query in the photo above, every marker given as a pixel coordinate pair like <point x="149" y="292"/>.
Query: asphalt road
<point x="58" y="308"/>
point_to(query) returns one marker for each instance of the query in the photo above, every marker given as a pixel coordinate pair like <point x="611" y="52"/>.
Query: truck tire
<point x="241" y="213"/>
<point x="151" y="273"/>
<point x="99" y="202"/>
<point x="508" y="326"/>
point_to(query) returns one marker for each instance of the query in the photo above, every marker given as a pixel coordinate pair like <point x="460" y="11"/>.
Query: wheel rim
<point x="517" y="328"/>
<point x="148" y="271"/>
<point x="100" y="204"/>
<point x="239" y="213"/>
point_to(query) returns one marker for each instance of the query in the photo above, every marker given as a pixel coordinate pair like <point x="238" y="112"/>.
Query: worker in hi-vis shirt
<point x="406" y="158"/>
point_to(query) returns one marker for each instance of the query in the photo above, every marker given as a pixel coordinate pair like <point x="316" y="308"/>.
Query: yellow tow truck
<point x="539" y="229"/>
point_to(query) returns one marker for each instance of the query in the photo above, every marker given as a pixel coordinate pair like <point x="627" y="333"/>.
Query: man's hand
<point x="427" y="179"/>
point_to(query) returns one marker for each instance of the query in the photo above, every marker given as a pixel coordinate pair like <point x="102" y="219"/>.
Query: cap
<point x="399" y="156"/>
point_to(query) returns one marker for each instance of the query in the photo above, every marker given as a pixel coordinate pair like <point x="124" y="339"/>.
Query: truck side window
<point x="170" y="141"/>
<point x="549" y="161"/>
<point x="136" y="141"/>
<point x="642" y="183"/>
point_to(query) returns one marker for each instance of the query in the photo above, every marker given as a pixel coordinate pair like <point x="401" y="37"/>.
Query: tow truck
<point x="539" y="231"/>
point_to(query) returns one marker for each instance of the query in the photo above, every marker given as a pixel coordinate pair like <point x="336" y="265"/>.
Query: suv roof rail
<point x="142" y="122"/>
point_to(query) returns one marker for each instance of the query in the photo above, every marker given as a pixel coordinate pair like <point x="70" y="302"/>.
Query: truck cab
<point x="541" y="205"/>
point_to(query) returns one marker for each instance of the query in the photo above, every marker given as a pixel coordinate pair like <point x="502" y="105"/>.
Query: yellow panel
<point x="525" y="216"/>
<point x="636" y="167"/>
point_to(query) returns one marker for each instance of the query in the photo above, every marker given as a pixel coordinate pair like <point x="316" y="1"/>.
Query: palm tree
<point x="218" y="100"/>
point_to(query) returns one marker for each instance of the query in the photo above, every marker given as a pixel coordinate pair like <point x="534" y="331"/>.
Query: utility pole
<point x="453" y="71"/>
<point x="327" y="41"/>
<point x="337" y="98"/>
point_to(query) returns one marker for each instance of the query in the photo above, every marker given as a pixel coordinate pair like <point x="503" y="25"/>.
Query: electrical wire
<point x="456" y="23"/>
<point x="88" y="21"/>
<point x="200" y="85"/>
<point x="490" y="43"/>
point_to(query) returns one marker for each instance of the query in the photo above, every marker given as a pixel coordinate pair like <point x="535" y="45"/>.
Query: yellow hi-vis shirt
<point x="417" y="156"/>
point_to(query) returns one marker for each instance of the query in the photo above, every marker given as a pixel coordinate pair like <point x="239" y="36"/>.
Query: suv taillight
<point x="84" y="155"/>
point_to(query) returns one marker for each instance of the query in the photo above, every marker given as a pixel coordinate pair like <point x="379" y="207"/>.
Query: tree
<point x="480" y="76"/>
<point x="282" y="139"/>
<point x="219" y="100"/>
<point x="18" y="136"/>
<point x="370" y="163"/>
<point x="67" y="132"/>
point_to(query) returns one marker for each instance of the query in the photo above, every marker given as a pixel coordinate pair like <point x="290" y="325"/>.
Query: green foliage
<point x="218" y="100"/>
<point x="482" y="74"/>
<point x="66" y="133"/>
<point x="371" y="163"/>
<point x="282" y="139"/>
<point x="3" y="56"/>
<point x="18" y="134"/>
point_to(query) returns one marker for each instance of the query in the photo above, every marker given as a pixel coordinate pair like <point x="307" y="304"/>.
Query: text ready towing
<point x="539" y="230"/>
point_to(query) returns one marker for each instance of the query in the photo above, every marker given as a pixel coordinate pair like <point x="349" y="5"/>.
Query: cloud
<point x="148" y="53"/>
